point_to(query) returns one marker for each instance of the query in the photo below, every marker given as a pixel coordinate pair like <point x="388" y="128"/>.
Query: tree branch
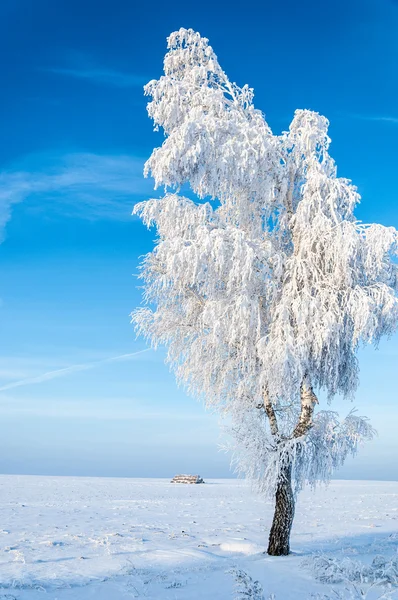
<point x="270" y="412"/>
<point x="308" y="400"/>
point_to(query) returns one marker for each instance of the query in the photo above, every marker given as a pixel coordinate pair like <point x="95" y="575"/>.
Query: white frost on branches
<point x="246" y="587"/>
<point x="313" y="458"/>
<point x="265" y="286"/>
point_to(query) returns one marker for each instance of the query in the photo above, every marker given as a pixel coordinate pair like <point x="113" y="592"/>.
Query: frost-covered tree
<point x="262" y="288"/>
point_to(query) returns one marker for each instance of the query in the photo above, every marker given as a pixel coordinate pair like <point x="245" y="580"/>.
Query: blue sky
<point x="74" y="137"/>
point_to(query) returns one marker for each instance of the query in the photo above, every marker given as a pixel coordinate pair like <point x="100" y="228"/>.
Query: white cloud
<point x="69" y="370"/>
<point x="85" y="185"/>
<point x="102" y="76"/>
<point x="376" y="118"/>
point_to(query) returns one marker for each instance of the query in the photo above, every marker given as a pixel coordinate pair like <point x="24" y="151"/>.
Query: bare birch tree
<point x="264" y="287"/>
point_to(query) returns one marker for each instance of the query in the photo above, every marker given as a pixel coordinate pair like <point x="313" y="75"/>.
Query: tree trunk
<point x="279" y="537"/>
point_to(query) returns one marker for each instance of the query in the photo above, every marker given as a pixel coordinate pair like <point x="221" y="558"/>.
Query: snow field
<point x="112" y="539"/>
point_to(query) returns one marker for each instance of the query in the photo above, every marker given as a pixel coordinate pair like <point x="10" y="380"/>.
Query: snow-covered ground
<point x="70" y="538"/>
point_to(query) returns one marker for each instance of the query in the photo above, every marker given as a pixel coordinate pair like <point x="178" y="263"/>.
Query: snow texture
<point x="115" y="539"/>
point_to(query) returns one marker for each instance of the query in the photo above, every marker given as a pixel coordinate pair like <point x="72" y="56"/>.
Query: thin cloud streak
<point x="375" y="118"/>
<point x="69" y="370"/>
<point x="101" y="76"/>
<point x="82" y="185"/>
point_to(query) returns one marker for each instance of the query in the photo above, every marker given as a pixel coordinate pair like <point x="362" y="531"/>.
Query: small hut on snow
<point x="187" y="479"/>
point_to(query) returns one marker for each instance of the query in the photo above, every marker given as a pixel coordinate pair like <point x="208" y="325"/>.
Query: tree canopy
<point x="264" y="285"/>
